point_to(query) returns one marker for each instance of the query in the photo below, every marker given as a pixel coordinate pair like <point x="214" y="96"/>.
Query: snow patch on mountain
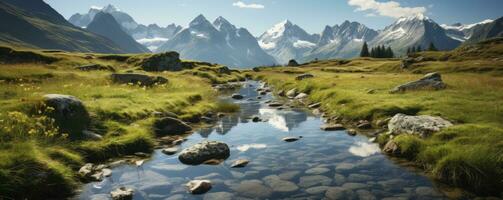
<point x="303" y="44"/>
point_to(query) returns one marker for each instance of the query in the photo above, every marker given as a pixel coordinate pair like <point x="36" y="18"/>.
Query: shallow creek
<point x="348" y="167"/>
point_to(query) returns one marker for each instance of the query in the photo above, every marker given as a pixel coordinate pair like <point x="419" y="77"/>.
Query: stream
<point x="320" y="165"/>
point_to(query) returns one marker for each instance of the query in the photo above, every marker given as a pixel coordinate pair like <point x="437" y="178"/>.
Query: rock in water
<point x="303" y="76"/>
<point x="429" y="81"/>
<point x="391" y="147"/>
<point x="170" y="126"/>
<point x="199" y="186"/>
<point x="332" y="127"/>
<point x="237" y="96"/>
<point x="140" y="79"/>
<point x="68" y="112"/>
<point x="423" y="125"/>
<point x="122" y="193"/>
<point x="170" y="151"/>
<point x="290" y="139"/>
<point x="201" y="152"/>
<point x="168" y="61"/>
<point x="240" y="163"/>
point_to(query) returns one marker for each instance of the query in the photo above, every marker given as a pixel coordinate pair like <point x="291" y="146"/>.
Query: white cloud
<point x="389" y="9"/>
<point x="241" y="4"/>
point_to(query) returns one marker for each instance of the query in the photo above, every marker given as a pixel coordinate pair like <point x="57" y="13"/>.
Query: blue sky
<point x="312" y="15"/>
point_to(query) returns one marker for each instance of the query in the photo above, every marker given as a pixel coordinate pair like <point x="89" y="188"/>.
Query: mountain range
<point x="34" y="24"/>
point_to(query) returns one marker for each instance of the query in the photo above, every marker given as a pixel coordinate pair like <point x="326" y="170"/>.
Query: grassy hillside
<point x="30" y="142"/>
<point x="469" y="154"/>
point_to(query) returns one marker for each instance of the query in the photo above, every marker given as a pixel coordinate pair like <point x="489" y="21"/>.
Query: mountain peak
<point x="416" y="17"/>
<point x="200" y="19"/>
<point x="110" y="8"/>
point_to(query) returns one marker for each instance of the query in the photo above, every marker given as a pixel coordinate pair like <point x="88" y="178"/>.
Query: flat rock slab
<point x="429" y="81"/>
<point x="122" y="193"/>
<point x="423" y="125"/>
<point x="170" y="151"/>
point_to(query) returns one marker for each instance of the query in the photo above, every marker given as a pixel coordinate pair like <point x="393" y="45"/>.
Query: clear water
<point x="350" y="167"/>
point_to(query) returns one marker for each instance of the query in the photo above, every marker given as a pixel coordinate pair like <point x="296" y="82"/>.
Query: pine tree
<point x="365" y="50"/>
<point x="408" y="50"/>
<point x="432" y="47"/>
<point x="389" y="52"/>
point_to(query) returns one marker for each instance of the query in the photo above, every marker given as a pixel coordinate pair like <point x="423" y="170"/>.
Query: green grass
<point x="32" y="144"/>
<point x="467" y="155"/>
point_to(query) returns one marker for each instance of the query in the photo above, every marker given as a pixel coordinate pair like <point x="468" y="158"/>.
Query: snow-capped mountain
<point x="152" y="36"/>
<point x="413" y="31"/>
<point x="486" y="31"/>
<point x="344" y="41"/>
<point x="104" y="24"/>
<point x="285" y="41"/>
<point x="474" y="32"/>
<point x="218" y="42"/>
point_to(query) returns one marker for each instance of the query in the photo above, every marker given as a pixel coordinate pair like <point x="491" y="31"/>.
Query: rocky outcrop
<point x="167" y="61"/>
<point x="170" y="126"/>
<point x="95" y="67"/>
<point x="237" y="96"/>
<point x="303" y="76"/>
<point x="293" y="63"/>
<point x="69" y="113"/>
<point x="122" y="193"/>
<point x="139" y="79"/>
<point x="201" y="152"/>
<point x="429" y="81"/>
<point x="423" y="125"/>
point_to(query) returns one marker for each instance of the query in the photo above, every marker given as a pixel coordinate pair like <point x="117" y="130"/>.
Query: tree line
<point x="382" y="51"/>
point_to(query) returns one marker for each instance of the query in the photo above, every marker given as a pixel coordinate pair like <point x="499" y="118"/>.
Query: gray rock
<point x="69" y="113"/>
<point x="391" y="147"/>
<point x="339" y="179"/>
<point x="198" y="186"/>
<point x="407" y="62"/>
<point x="365" y="195"/>
<point x="256" y="119"/>
<point x="140" y="79"/>
<point x="87" y="170"/>
<point x="204" y="151"/>
<point x="218" y="196"/>
<point x="170" y="151"/>
<point x="423" y="125"/>
<point x="291" y="93"/>
<point x="170" y="126"/>
<point x="290" y="139"/>
<point x="317" y="170"/>
<point x="364" y="124"/>
<point x="91" y="135"/>
<point x="275" y="104"/>
<point x="167" y="61"/>
<point x="354" y="186"/>
<point x="122" y="193"/>
<point x="279" y="185"/>
<point x="332" y="127"/>
<point x="301" y="96"/>
<point x="352" y="132"/>
<point x="289" y="175"/>
<point x="293" y="63"/>
<point x="359" y="178"/>
<point x="314" y="105"/>
<point x="317" y="189"/>
<point x="240" y="163"/>
<point x="340" y="193"/>
<point x="429" y="81"/>
<point x="95" y="67"/>
<point x="252" y="188"/>
<point x="309" y="181"/>
<point x="303" y="76"/>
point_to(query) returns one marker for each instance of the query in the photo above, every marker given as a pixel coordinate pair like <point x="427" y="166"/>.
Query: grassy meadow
<point x="468" y="155"/>
<point x="31" y="143"/>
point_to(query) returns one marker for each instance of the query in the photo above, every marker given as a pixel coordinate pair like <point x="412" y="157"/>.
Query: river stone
<point x="198" y="186"/>
<point x="289" y="175"/>
<point x="86" y="170"/>
<point x="426" y="191"/>
<point x="391" y="147"/>
<point x="122" y="193"/>
<point x="170" y="126"/>
<point x="365" y="195"/>
<point x="317" y="189"/>
<point x="317" y="170"/>
<point x="309" y="181"/>
<point x="354" y="186"/>
<point x="340" y="193"/>
<point x="275" y="104"/>
<point x="218" y="196"/>
<point x="359" y="178"/>
<point x="140" y="79"/>
<point x="256" y="119"/>
<point x="332" y="127"/>
<point x="170" y="151"/>
<point x="429" y="81"/>
<point x="279" y="185"/>
<point x="314" y="105"/>
<point x="290" y="139"/>
<point x="69" y="113"/>
<point x="339" y="179"/>
<point x="423" y="125"/>
<point x="364" y="124"/>
<point x="344" y="166"/>
<point x="240" y="163"/>
<point x="237" y="96"/>
<point x="201" y="152"/>
<point x="281" y="93"/>
<point x="291" y="93"/>
<point x="303" y="76"/>
<point x="252" y="188"/>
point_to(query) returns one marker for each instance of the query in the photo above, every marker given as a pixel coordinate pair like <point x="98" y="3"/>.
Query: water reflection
<point x="283" y="120"/>
<point x="364" y="149"/>
<point x="245" y="147"/>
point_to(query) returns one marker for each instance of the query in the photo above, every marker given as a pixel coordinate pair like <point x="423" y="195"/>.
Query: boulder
<point x="332" y="127"/>
<point x="199" y="186"/>
<point x="237" y="96"/>
<point x="91" y="172"/>
<point x="68" y="112"/>
<point x="122" y="193"/>
<point x="170" y="126"/>
<point x="256" y="119"/>
<point x="224" y="70"/>
<point x="423" y="125"/>
<point x="95" y="67"/>
<point x="407" y="62"/>
<point x="167" y="61"/>
<point x="391" y="147"/>
<point x="293" y="63"/>
<point x="240" y="163"/>
<point x="201" y="152"/>
<point x="429" y="81"/>
<point x="140" y="79"/>
<point x="303" y="76"/>
<point x="291" y="93"/>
